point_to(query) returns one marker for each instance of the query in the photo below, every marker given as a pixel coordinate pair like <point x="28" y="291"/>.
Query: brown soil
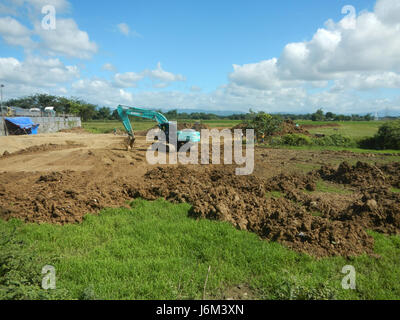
<point x="74" y="130"/>
<point x="42" y="148"/>
<point x="80" y="174"/>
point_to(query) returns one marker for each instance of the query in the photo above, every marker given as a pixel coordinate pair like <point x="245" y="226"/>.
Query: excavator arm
<point x="125" y="111"/>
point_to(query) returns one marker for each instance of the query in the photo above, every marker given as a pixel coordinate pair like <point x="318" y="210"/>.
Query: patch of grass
<point x="306" y="167"/>
<point x="323" y="186"/>
<point x="274" y="194"/>
<point x="351" y="129"/>
<point x="155" y="251"/>
<point x="317" y="214"/>
<point x="109" y="126"/>
<point x="396" y="190"/>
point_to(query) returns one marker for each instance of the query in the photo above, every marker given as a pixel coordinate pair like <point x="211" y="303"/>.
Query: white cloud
<point x="37" y="72"/>
<point x="109" y="67"/>
<point x="359" y="52"/>
<point x="128" y="79"/>
<point x="162" y="75"/>
<point x="124" y="29"/>
<point x="101" y="92"/>
<point x="66" y="40"/>
<point x="388" y="11"/>
<point x="15" y="33"/>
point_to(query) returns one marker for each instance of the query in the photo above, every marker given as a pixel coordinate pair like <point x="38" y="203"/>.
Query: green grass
<point x="274" y="194"/>
<point x="396" y="190"/>
<point x="155" y="251"/>
<point x="327" y="187"/>
<point x="351" y="129"/>
<point x="109" y="126"/>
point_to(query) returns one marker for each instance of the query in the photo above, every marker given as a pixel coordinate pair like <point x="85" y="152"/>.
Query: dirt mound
<point x="57" y="197"/>
<point x="289" y="127"/>
<point x="392" y="173"/>
<point x="220" y="195"/>
<point x="42" y="148"/>
<point x="360" y="175"/>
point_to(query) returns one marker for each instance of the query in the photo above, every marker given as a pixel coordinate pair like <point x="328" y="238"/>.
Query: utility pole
<point x="1" y="105"/>
<point x="1" y="99"/>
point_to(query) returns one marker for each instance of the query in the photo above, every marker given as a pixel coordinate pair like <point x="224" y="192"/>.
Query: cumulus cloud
<point x="159" y="74"/>
<point x="67" y="39"/>
<point x="36" y="72"/>
<point x="160" y="78"/>
<point x="15" y="33"/>
<point x="364" y="48"/>
<point x="128" y="79"/>
<point x="101" y="92"/>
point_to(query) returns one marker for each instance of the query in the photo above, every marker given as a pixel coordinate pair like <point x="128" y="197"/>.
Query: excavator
<point x="182" y="136"/>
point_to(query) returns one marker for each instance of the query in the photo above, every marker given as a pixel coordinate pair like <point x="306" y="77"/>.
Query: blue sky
<point x="276" y="56"/>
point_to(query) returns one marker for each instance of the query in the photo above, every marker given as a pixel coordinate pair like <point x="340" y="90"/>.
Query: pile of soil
<point x="289" y="127"/>
<point x="360" y="175"/>
<point x="42" y="148"/>
<point x="218" y="194"/>
<point x="56" y="197"/>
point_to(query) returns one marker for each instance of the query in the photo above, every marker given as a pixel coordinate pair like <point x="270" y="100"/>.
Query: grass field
<point x="351" y="129"/>
<point x="155" y="251"/>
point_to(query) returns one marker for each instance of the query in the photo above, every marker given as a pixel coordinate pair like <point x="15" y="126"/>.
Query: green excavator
<point x="182" y="137"/>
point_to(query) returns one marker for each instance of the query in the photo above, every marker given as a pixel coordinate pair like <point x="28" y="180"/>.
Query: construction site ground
<point x="318" y="202"/>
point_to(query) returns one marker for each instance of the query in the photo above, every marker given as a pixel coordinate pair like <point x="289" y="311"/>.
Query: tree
<point x="265" y="124"/>
<point x="103" y="113"/>
<point x="330" y="115"/>
<point x="318" y="115"/>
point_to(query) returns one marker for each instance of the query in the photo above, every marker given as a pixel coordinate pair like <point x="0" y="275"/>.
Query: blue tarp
<point x="26" y="124"/>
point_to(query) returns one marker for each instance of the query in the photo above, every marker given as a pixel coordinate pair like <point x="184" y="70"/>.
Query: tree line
<point x="88" y="111"/>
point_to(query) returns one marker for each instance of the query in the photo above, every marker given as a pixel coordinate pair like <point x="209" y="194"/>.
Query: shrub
<point x="336" y="140"/>
<point x="296" y="140"/>
<point x="265" y="124"/>
<point x="388" y="137"/>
